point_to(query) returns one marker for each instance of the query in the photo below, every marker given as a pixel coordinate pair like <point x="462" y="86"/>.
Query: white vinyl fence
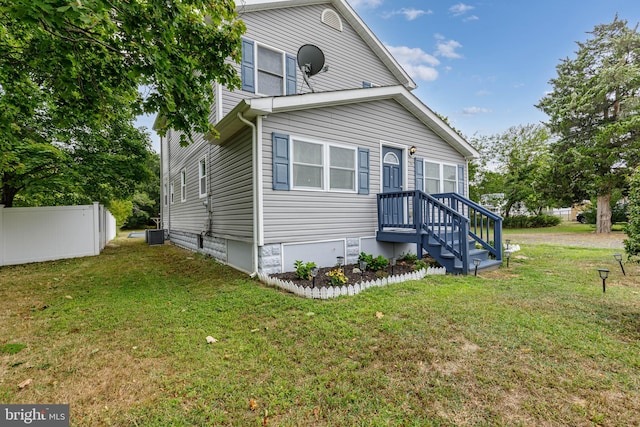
<point x="55" y="232"/>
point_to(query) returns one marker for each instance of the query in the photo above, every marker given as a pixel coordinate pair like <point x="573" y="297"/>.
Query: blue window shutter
<point x="248" y="66"/>
<point x="280" y="161"/>
<point x="363" y="171"/>
<point x="292" y="66"/>
<point x="366" y="84"/>
<point x="419" y="172"/>
<point x="461" y="181"/>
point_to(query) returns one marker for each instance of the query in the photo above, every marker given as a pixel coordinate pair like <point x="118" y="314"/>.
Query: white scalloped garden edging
<point x="338" y="291"/>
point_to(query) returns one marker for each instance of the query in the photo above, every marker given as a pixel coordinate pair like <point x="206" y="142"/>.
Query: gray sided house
<point x="359" y="164"/>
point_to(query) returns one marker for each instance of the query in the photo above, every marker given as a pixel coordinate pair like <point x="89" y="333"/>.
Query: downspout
<point x="254" y="159"/>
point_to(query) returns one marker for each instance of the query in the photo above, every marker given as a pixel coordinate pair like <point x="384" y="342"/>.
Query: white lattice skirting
<point x="338" y="291"/>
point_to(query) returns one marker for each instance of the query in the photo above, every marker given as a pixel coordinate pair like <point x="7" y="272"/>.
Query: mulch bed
<point x="351" y="271"/>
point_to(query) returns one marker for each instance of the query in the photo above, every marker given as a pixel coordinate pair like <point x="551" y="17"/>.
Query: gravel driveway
<point x="590" y="240"/>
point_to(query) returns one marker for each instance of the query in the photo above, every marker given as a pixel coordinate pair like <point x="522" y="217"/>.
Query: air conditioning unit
<point x="155" y="237"/>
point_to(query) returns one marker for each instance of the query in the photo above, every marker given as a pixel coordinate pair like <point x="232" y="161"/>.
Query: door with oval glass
<point x="392" y="175"/>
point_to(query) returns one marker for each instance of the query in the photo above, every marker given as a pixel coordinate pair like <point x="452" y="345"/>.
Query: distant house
<point x="302" y="175"/>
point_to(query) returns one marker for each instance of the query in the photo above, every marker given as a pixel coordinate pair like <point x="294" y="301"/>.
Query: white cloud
<point x="460" y="9"/>
<point x="421" y="72"/>
<point x="447" y="48"/>
<point x="365" y="3"/>
<point x="418" y="63"/>
<point x="470" y="18"/>
<point x="472" y="111"/>
<point x="410" y="14"/>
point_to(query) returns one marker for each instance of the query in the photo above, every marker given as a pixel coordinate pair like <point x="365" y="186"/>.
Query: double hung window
<point x="440" y="178"/>
<point x="322" y="166"/>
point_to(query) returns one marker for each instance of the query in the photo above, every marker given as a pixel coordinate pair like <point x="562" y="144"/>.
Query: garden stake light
<point x="393" y="264"/>
<point x="508" y="255"/>
<point x="604" y="273"/>
<point x="508" y="242"/>
<point x="314" y="273"/>
<point x="618" y="258"/>
<point x="363" y="266"/>
<point x="476" y="262"/>
<point x="340" y="262"/>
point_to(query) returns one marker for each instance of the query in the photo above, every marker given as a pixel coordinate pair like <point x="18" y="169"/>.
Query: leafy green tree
<point x="594" y="111"/>
<point x="146" y="199"/>
<point x="72" y="69"/>
<point x="515" y="163"/>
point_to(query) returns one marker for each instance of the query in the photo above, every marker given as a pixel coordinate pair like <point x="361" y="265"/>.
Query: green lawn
<point x="122" y="338"/>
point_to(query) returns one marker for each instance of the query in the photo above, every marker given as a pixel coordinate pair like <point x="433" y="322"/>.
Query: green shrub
<point x="534" y="221"/>
<point x="632" y="243"/>
<point x="374" y="264"/>
<point x="303" y="270"/>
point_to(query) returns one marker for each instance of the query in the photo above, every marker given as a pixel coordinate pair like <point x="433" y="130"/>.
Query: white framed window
<point x="270" y="67"/>
<point x="183" y="185"/>
<point x="323" y="166"/>
<point x="171" y="193"/>
<point x="202" y="177"/>
<point x="266" y="70"/>
<point x="440" y="177"/>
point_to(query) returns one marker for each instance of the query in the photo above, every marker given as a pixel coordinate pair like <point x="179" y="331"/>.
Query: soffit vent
<point x="332" y="19"/>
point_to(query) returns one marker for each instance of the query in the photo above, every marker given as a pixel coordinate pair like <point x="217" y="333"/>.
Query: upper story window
<point x="183" y="185"/>
<point x="266" y="70"/>
<point x="321" y="166"/>
<point x="202" y="176"/>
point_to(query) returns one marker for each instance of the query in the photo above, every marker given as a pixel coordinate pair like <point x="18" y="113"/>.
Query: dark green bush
<point x="632" y="243"/>
<point x="535" y="221"/>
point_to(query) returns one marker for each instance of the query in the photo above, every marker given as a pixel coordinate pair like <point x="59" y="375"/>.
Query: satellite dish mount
<point x="311" y="62"/>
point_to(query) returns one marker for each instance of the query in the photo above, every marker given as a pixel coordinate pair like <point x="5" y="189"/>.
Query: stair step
<point x="486" y="265"/>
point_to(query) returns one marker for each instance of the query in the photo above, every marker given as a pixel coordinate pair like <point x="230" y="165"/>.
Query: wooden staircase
<point x="452" y="229"/>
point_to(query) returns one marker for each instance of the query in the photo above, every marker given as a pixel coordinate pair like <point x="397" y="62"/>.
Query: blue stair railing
<point x="485" y="227"/>
<point x="446" y="220"/>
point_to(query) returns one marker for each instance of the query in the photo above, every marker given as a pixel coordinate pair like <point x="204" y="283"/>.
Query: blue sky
<point x="483" y="64"/>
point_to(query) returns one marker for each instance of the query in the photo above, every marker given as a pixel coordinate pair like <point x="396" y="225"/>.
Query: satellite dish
<point x="310" y="61"/>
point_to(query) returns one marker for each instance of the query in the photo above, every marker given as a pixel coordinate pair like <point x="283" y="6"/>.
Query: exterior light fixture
<point x="314" y="273"/>
<point x="618" y="258"/>
<point x="508" y="242"/>
<point x="363" y="266"/>
<point x="340" y="261"/>
<point x="393" y="264"/>
<point x="604" y="273"/>
<point x="412" y="150"/>
<point x="476" y="263"/>
<point x="507" y="254"/>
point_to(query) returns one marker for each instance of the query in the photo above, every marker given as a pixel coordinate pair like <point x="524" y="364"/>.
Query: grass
<point x="121" y="337"/>
<point x="563" y="227"/>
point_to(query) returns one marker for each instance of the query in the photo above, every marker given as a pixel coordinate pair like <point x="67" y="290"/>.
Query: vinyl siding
<point x="231" y="186"/>
<point x="349" y="58"/>
<point x="189" y="215"/>
<point x="299" y="216"/>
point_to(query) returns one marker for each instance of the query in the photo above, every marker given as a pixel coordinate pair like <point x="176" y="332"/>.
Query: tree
<point x="515" y="163"/>
<point x="74" y="68"/>
<point x="594" y="110"/>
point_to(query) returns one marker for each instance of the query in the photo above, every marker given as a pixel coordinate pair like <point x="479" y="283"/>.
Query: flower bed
<point x="357" y="281"/>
